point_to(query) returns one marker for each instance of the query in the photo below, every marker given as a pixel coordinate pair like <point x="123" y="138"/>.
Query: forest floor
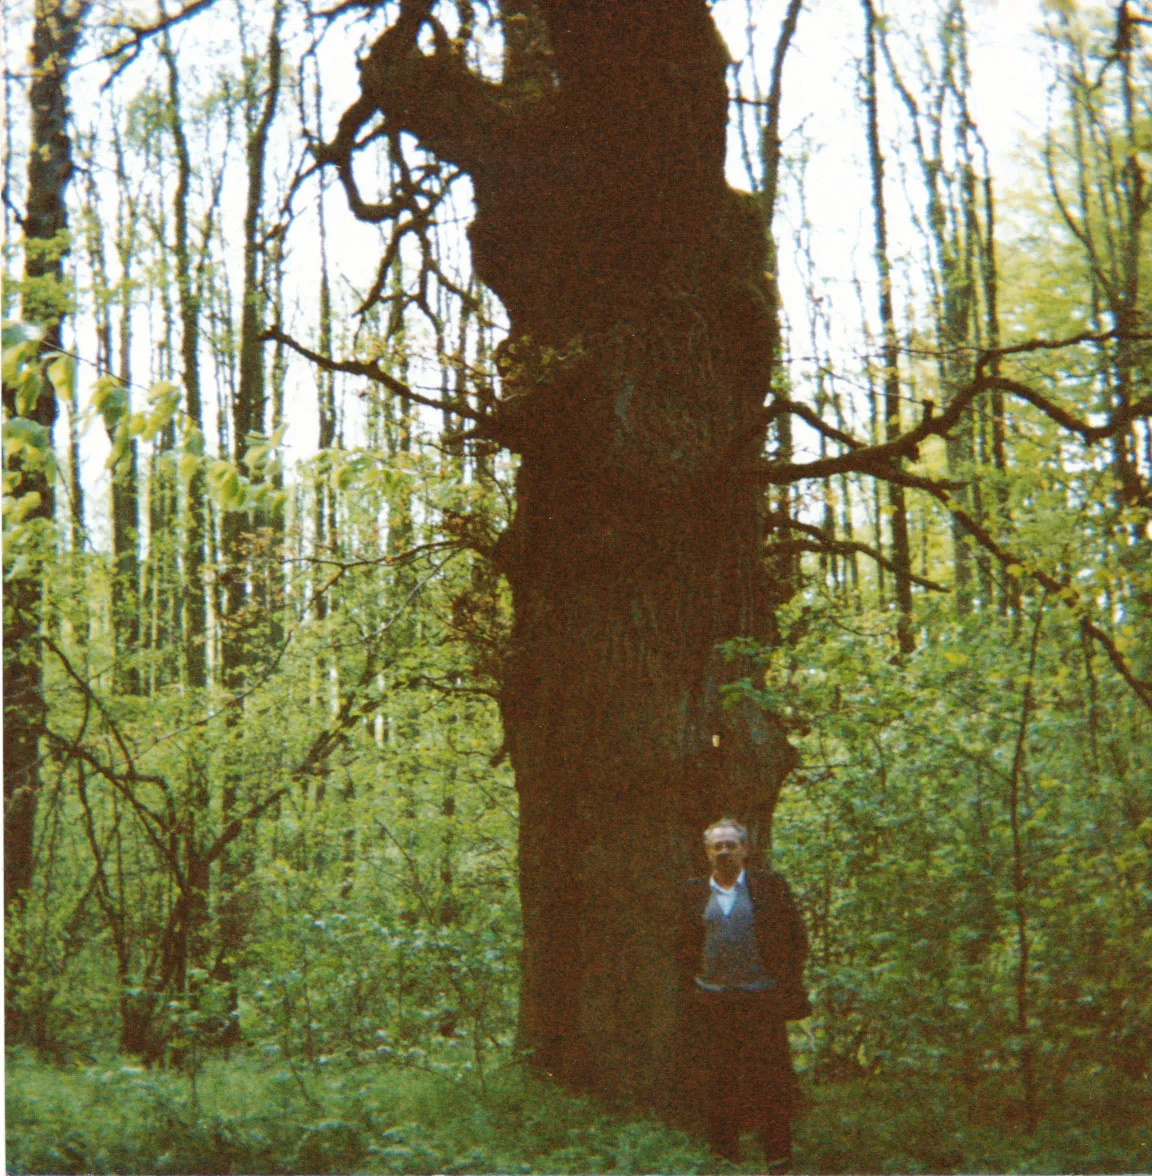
<point x="259" y="1116"/>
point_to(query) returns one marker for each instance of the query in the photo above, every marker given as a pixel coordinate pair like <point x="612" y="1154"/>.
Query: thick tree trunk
<point x="638" y="361"/>
<point x="634" y="375"/>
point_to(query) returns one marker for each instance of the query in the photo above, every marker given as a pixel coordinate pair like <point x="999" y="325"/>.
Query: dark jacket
<point x="780" y="937"/>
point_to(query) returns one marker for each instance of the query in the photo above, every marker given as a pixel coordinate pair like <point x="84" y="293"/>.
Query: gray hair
<point x="727" y="823"/>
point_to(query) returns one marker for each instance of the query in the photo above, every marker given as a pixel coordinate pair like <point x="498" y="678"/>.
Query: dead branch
<point x="454" y="114"/>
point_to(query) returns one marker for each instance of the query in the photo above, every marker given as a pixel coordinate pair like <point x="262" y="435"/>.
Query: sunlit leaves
<point x="896" y="831"/>
<point x="61" y="372"/>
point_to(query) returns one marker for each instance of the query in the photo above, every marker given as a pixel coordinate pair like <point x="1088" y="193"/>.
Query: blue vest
<point x="731" y="960"/>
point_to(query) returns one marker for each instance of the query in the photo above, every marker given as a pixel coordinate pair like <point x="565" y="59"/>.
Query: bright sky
<point x="822" y="112"/>
<point x="820" y="105"/>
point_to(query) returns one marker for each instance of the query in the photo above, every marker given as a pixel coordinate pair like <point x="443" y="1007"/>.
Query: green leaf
<point x="18" y="509"/>
<point x="165" y="400"/>
<point x="193" y="439"/>
<point x="61" y="371"/>
<point x="119" y="450"/>
<point x="231" y="491"/>
<point x="21" y="433"/>
<point x="162" y="390"/>
<point x="21" y="347"/>
<point x="28" y="390"/>
<point x="15" y="333"/>
<point x="187" y="466"/>
<point x="110" y="399"/>
<point x="257" y="453"/>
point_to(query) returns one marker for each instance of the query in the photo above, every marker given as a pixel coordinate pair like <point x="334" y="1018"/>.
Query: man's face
<point x="725" y="850"/>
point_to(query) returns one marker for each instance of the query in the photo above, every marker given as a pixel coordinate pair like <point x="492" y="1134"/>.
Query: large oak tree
<point x="634" y="376"/>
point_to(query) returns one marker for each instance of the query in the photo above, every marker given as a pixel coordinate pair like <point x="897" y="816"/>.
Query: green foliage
<point x="248" y="1117"/>
<point x="30" y="465"/>
<point x="45" y="298"/>
<point x="370" y="871"/>
<point x="898" y="833"/>
<point x="295" y="897"/>
<point x="893" y="1124"/>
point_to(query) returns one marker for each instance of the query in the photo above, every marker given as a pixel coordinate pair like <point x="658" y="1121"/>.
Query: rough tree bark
<point x="55" y="35"/>
<point x="634" y="376"/>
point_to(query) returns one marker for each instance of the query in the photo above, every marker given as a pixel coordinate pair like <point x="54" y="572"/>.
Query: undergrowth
<point x="245" y="1115"/>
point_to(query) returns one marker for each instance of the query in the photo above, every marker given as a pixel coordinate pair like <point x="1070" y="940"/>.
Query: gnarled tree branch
<point x="125" y="52"/>
<point x="873" y="459"/>
<point x="454" y="114"/>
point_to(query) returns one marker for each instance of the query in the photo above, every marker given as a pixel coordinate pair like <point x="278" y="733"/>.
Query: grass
<point x="249" y="1117"/>
<point x="246" y="1115"/>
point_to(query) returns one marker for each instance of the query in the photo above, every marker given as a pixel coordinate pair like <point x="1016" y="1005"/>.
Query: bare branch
<point x="371" y="370"/>
<point x="149" y="819"/>
<point x="987" y="357"/>
<point x="771" y="132"/>
<point x="821" y="544"/>
<point x="780" y="406"/>
<point x="1123" y="416"/>
<point x="126" y="52"/>
<point x="454" y="114"/>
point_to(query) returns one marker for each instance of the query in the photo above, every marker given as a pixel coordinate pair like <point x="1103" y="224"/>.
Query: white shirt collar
<point x="726" y="889"/>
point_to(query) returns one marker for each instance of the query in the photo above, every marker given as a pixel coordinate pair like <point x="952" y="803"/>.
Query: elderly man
<point x="741" y="954"/>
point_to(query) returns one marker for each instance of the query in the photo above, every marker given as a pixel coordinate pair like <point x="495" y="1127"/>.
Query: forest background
<point x="268" y="874"/>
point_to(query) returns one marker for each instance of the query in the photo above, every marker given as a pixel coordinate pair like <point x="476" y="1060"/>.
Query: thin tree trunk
<point x="249" y="409"/>
<point x="195" y="605"/>
<point x="952" y="279"/>
<point x="1020" y="884"/>
<point x="787" y="578"/>
<point x="55" y="34"/>
<point x="1135" y="196"/>
<point x="326" y="406"/>
<point x="1009" y="595"/>
<point x="901" y="549"/>
<point x="125" y="493"/>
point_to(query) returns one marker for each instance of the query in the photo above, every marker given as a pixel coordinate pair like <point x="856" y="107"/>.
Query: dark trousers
<point x="749" y="1082"/>
<point x="775" y="1137"/>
